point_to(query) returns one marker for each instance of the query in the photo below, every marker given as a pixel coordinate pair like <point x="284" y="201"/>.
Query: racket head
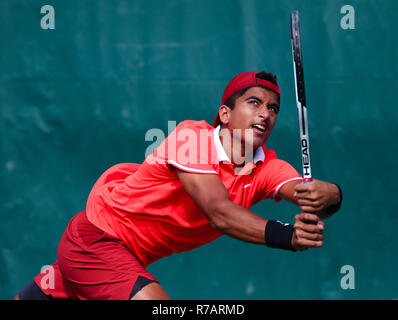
<point x="297" y="56"/>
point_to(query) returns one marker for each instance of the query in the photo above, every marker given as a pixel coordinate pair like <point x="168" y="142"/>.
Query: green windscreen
<point x="81" y="97"/>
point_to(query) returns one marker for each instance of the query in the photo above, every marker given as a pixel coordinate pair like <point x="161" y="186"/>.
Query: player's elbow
<point x="217" y="214"/>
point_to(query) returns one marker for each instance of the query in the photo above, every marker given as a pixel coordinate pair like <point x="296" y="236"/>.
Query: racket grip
<point x="308" y="180"/>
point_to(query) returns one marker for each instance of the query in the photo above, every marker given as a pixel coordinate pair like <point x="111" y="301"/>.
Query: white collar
<point x="259" y="154"/>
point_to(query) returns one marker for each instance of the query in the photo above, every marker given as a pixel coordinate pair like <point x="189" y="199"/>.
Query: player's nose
<point x="264" y="112"/>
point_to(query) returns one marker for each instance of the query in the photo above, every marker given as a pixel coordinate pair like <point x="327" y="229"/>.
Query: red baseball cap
<point x="241" y="81"/>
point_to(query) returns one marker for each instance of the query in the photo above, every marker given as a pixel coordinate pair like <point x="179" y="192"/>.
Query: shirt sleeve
<point x="275" y="174"/>
<point x="190" y="147"/>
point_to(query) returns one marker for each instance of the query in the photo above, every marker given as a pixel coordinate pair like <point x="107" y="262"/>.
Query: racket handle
<point x="308" y="180"/>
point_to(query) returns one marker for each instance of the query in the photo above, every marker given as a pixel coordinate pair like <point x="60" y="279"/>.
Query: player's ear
<point x="224" y="113"/>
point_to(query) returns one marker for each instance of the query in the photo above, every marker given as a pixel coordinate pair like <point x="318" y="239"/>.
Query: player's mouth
<point x="259" y="129"/>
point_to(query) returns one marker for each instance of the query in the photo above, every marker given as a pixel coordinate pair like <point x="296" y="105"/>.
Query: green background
<point x="79" y="99"/>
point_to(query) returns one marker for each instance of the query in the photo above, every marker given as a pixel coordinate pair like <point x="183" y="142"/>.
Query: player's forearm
<point x="238" y="222"/>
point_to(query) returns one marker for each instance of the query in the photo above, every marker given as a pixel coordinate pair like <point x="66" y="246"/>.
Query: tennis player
<point x="195" y="187"/>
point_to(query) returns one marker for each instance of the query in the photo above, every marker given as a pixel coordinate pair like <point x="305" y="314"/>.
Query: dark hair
<point x="230" y="102"/>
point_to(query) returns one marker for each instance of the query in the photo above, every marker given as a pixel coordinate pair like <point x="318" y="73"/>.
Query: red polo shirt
<point x="147" y="207"/>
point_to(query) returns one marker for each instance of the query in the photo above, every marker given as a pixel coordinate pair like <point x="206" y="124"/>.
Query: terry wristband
<point x="279" y="235"/>
<point x="335" y="207"/>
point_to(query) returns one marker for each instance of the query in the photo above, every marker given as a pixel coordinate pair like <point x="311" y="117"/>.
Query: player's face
<point x="255" y="114"/>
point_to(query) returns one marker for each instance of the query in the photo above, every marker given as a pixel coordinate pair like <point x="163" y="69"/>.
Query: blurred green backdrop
<point x="78" y="99"/>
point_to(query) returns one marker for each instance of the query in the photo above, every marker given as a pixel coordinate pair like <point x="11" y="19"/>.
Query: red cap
<point x="241" y="81"/>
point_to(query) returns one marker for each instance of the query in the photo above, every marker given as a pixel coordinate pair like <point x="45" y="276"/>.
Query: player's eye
<point x="274" y="109"/>
<point x="255" y="102"/>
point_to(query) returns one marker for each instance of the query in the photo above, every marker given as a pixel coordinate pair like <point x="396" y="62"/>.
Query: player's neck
<point x="236" y="150"/>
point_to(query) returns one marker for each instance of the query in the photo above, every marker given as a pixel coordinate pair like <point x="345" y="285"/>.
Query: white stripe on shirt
<point x="188" y="169"/>
<point x="282" y="184"/>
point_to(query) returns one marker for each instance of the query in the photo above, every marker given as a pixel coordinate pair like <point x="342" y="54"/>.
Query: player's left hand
<point x="316" y="195"/>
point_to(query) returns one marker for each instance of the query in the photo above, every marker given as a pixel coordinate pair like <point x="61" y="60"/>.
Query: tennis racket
<point x="300" y="95"/>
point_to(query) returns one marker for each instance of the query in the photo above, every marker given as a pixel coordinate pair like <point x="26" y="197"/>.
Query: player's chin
<point x="259" y="140"/>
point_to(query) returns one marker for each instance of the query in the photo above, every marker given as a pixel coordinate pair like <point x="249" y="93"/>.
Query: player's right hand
<point x="307" y="235"/>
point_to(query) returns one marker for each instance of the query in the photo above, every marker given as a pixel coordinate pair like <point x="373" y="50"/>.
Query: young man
<point x="196" y="186"/>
